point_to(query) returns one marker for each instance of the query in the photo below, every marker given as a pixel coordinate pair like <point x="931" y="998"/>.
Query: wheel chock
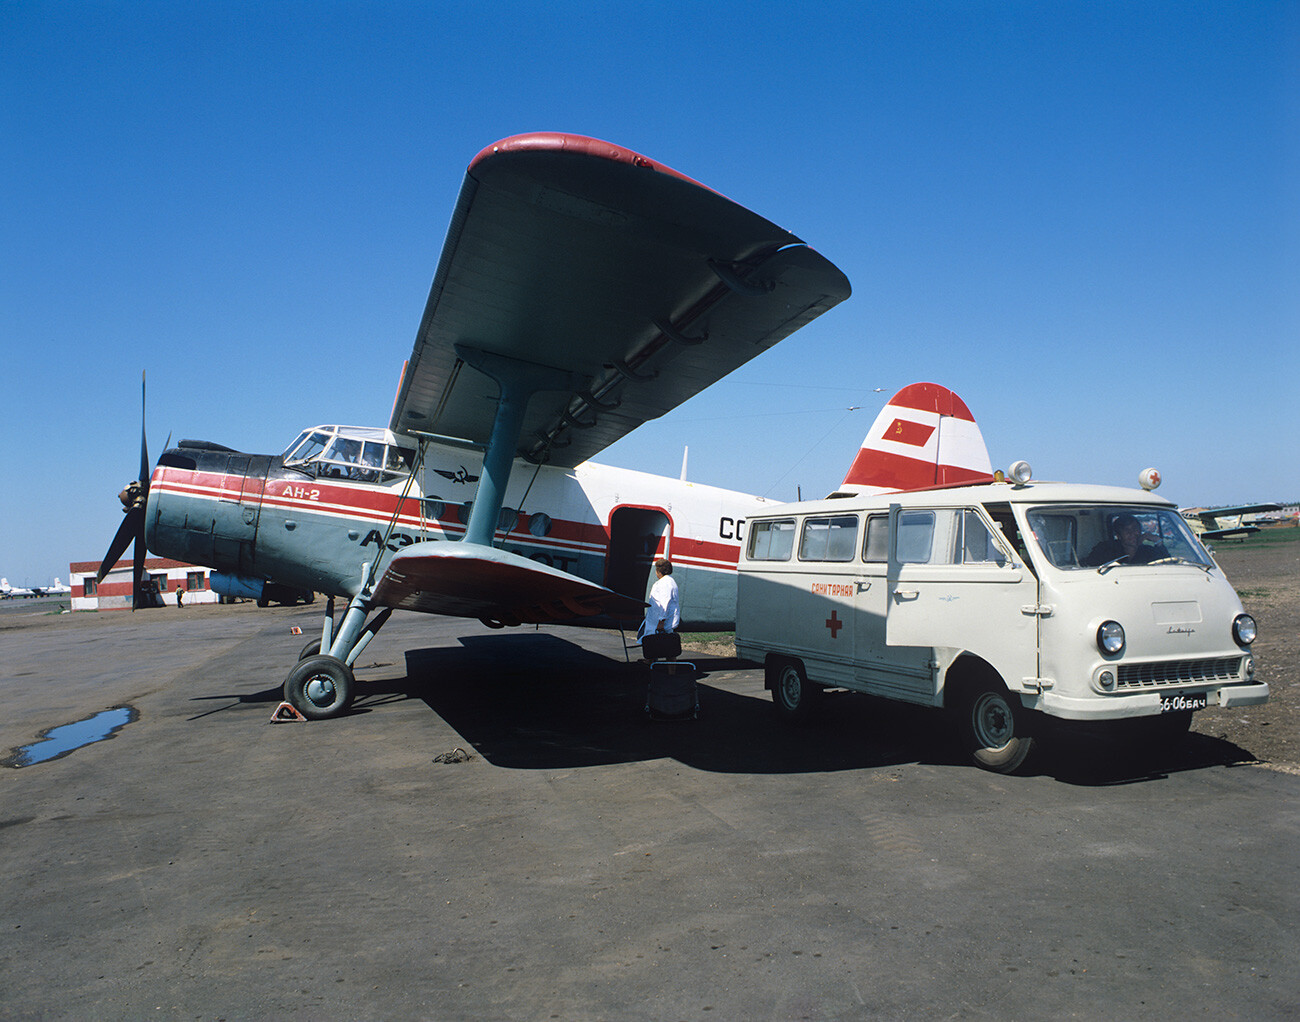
<point x="295" y="630"/>
<point x="287" y="713"/>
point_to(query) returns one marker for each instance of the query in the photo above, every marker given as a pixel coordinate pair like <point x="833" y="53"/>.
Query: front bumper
<point x="1143" y="704"/>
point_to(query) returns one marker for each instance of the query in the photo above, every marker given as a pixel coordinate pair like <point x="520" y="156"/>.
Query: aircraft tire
<point x="311" y="649"/>
<point x="995" y="728"/>
<point x="795" y="698"/>
<point x="320" y="687"/>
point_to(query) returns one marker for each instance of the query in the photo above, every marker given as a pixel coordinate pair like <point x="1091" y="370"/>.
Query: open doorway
<point x="637" y="535"/>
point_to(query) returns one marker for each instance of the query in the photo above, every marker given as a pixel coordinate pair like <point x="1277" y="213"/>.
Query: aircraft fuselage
<point x="310" y="528"/>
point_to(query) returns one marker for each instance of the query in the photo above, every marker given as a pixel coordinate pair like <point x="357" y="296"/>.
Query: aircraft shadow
<point x="537" y="701"/>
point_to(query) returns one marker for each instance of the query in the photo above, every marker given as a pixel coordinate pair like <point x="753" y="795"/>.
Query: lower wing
<point x="495" y="586"/>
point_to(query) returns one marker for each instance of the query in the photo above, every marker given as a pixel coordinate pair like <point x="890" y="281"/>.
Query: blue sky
<point x="1082" y="217"/>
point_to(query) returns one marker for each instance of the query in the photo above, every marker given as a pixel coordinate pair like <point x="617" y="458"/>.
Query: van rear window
<point x="771" y="541"/>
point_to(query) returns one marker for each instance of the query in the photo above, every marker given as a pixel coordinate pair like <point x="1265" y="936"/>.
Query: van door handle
<point x="906" y="594"/>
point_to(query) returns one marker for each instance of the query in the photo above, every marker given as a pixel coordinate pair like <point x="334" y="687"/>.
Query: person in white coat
<point x="663" y="614"/>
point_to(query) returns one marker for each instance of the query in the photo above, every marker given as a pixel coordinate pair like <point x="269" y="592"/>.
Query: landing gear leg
<point x="322" y="685"/>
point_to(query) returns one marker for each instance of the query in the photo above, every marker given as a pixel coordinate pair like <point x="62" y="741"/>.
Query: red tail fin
<point x="924" y="436"/>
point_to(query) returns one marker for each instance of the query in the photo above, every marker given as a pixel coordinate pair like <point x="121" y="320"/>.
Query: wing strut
<point x="518" y="381"/>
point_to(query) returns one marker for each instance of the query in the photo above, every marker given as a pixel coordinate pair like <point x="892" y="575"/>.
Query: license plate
<point x="1175" y="704"/>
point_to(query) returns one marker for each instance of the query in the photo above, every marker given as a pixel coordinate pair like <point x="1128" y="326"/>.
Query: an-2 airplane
<point x="1225" y="522"/>
<point x="582" y="290"/>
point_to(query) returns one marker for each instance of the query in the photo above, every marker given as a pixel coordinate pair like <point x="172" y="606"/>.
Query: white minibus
<point x="1004" y="603"/>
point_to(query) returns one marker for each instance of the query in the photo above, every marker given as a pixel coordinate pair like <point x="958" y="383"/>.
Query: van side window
<point x="771" y="541"/>
<point x="977" y="544"/>
<point x="915" y="536"/>
<point x="1005" y="522"/>
<point x="829" y="539"/>
<point x="875" y="550"/>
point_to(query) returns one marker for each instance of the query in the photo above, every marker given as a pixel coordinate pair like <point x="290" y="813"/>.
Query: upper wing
<point x="1211" y="515"/>
<point x="576" y="254"/>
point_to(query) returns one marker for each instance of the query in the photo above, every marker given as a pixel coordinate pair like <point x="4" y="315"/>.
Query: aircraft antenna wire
<point x="820" y="440"/>
<point x="528" y="489"/>
<point x="397" y="511"/>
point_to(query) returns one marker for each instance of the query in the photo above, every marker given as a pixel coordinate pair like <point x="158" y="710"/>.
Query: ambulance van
<point x="1004" y="603"/>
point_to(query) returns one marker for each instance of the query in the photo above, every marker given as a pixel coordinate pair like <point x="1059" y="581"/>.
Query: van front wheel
<point x="795" y="698"/>
<point x="995" y="727"/>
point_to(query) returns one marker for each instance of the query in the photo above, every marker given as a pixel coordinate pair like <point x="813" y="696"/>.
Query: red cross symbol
<point x="834" y="624"/>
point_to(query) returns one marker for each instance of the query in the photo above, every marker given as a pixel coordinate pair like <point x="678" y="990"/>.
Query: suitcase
<point x="672" y="693"/>
<point x="661" y="645"/>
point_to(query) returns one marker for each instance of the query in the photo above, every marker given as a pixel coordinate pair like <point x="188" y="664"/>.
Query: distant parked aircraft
<point x="55" y="590"/>
<point x="8" y="592"/>
<point x="1208" y="525"/>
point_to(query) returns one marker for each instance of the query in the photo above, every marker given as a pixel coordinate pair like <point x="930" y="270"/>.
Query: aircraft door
<point x="955" y="586"/>
<point x="637" y="536"/>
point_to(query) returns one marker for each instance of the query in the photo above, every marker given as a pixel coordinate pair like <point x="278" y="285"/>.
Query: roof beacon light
<point x="1149" y="478"/>
<point x="1021" y="473"/>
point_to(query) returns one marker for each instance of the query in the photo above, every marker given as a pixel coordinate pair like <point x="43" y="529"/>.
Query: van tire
<point x="995" y="728"/>
<point x="795" y="698"/>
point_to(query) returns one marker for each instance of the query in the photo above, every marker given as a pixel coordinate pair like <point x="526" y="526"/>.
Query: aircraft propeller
<point x="134" y="497"/>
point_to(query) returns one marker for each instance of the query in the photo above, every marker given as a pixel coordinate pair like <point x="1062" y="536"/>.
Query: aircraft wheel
<point x="320" y="687"/>
<point x="996" y="729"/>
<point x="795" y="697"/>
<point x="311" y="649"/>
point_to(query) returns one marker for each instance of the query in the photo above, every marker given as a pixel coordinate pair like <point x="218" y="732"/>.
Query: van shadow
<point x="537" y="701"/>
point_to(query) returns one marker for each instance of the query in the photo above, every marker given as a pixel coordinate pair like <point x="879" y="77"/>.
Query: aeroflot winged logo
<point x="459" y="476"/>
<point x="925" y="436"/>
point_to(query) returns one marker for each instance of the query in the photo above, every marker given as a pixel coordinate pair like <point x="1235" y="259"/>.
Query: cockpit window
<point x="329" y="453"/>
<point x="309" y="444"/>
<point x="1118" y="535"/>
<point x="399" y="460"/>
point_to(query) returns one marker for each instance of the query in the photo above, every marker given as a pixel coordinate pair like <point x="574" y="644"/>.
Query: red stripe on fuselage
<point x="375" y="507"/>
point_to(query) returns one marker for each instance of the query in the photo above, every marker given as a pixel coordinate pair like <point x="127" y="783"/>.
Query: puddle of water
<point x="59" y="741"/>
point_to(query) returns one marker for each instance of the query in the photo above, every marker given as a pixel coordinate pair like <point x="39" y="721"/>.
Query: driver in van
<point x="1126" y="544"/>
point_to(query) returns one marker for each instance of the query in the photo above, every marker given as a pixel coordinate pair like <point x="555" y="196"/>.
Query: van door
<point x="896" y="672"/>
<point x="955" y="587"/>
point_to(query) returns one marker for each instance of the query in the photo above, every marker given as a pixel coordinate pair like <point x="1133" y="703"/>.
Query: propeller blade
<point x="137" y="569"/>
<point x="132" y="525"/>
<point x="144" y="446"/>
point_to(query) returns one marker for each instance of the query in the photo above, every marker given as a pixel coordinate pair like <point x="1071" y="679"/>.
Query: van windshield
<point x="1096" y="535"/>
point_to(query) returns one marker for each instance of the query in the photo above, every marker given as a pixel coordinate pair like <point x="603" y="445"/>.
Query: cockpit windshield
<point x="1096" y="536"/>
<point x="349" y="452"/>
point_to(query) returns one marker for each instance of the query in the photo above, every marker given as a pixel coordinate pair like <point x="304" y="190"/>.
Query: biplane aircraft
<point x="582" y="290"/>
<point x="1225" y="522"/>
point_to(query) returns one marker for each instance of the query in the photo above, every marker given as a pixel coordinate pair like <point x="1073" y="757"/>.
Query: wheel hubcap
<point x="320" y="690"/>
<point x="790" y="688"/>
<point x="994" y="724"/>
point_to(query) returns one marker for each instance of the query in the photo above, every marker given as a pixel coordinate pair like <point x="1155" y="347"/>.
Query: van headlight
<point x="1243" y="629"/>
<point x="1110" y="637"/>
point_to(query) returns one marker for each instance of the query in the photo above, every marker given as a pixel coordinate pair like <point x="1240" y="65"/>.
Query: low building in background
<point x="166" y="576"/>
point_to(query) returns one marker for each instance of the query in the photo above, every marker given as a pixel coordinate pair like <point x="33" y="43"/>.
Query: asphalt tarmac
<point x="584" y="863"/>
